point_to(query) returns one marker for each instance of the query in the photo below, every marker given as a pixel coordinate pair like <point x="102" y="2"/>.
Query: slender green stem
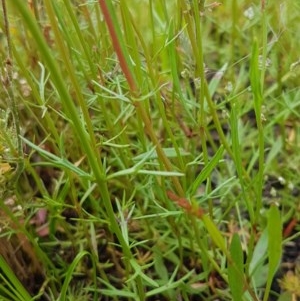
<point x="124" y="63"/>
<point x="9" y="87"/>
<point x="87" y="141"/>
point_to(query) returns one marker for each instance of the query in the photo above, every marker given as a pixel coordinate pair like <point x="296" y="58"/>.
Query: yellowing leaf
<point x="4" y="168"/>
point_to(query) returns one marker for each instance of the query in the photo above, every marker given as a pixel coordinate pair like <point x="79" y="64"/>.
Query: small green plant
<point x="146" y="175"/>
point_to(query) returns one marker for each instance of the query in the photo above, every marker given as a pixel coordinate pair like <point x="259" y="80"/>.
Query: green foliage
<point x="14" y="290"/>
<point x="145" y="175"/>
<point x="274" y="228"/>
<point x="236" y="268"/>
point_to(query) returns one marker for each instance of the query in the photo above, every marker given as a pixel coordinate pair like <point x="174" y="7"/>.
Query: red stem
<point x="290" y="227"/>
<point x="117" y="45"/>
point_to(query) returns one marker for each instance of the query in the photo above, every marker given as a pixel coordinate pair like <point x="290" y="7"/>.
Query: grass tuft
<point x="149" y="150"/>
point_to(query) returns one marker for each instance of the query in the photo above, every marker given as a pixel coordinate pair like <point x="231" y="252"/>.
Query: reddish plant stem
<point x="290" y="227"/>
<point x="117" y="46"/>
<point x="184" y="203"/>
<point x="134" y="90"/>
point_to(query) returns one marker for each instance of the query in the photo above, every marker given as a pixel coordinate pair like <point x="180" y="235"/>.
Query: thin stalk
<point x="194" y="30"/>
<point x="20" y="228"/>
<point x="234" y="18"/>
<point x="158" y="98"/>
<point x="131" y="40"/>
<point x="37" y="96"/>
<point x="121" y="52"/>
<point x="65" y="55"/>
<point x="9" y="87"/>
<point x="92" y="67"/>
<point x="36" y="11"/>
<point x="257" y="96"/>
<point x="83" y="44"/>
<point x="68" y="104"/>
<point x="226" y="145"/>
<point x="107" y="9"/>
<point x="260" y="121"/>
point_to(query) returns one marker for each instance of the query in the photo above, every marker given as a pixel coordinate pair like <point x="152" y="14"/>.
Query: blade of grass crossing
<point x="62" y="42"/>
<point x="91" y="152"/>
<point x="118" y="42"/>
<point x="70" y="272"/>
<point x="236" y="149"/>
<point x="17" y="287"/>
<point x="83" y="43"/>
<point x="5" y="292"/>
<point x="206" y="171"/>
<point x="142" y="114"/>
<point x="128" y="24"/>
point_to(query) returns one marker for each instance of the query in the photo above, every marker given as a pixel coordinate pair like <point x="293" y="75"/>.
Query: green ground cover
<point x="149" y="150"/>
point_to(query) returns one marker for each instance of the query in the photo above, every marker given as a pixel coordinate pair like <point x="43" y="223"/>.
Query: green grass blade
<point x="236" y="268"/>
<point x="71" y="271"/>
<point x="206" y="171"/>
<point x="237" y="151"/>
<point x="274" y="245"/>
<point x="257" y="258"/>
<point x="215" y="234"/>
<point x="169" y="285"/>
<point x="258" y="101"/>
<point x="57" y="161"/>
<point x="138" y="271"/>
<point x="17" y="287"/>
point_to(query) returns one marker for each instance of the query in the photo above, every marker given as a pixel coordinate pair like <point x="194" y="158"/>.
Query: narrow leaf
<point x="207" y="170"/>
<point x="258" y="256"/>
<point x="275" y="239"/>
<point x="70" y="273"/>
<point x="214" y="233"/>
<point x="17" y="287"/>
<point x="274" y="245"/>
<point x="236" y="268"/>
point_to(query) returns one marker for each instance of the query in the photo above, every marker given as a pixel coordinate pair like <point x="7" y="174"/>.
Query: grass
<point x="129" y="170"/>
